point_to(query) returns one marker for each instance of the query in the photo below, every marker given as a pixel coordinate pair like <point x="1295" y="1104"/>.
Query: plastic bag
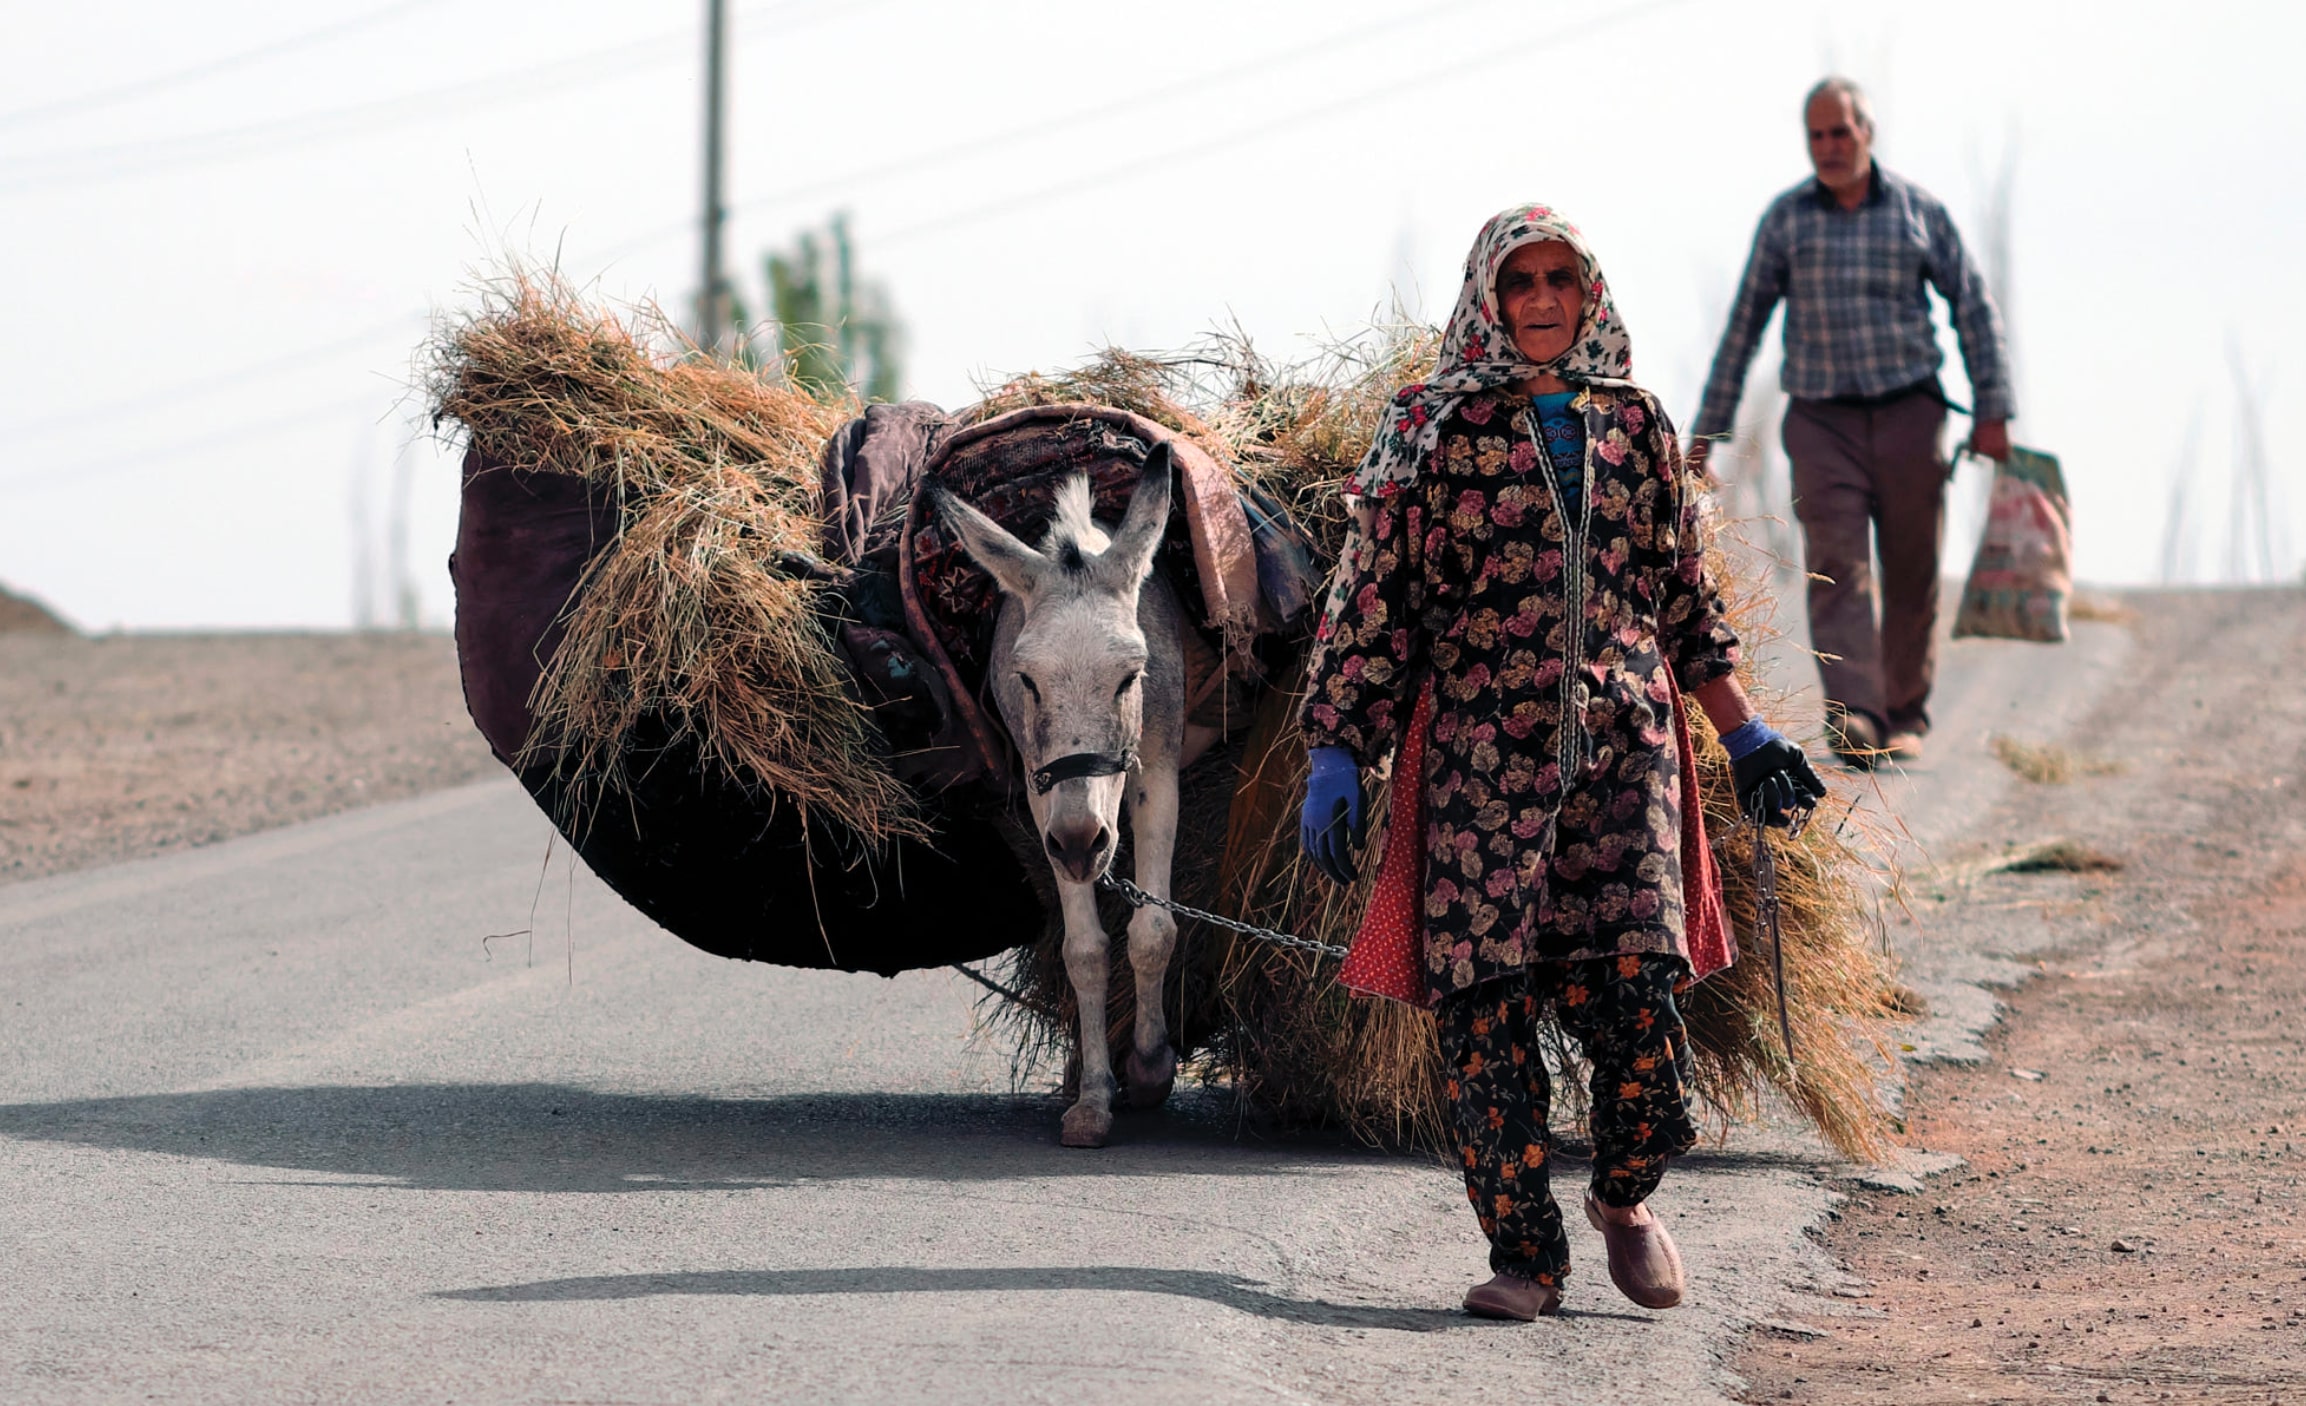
<point x="2023" y="574"/>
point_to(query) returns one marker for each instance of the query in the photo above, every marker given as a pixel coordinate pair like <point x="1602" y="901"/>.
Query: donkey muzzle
<point x="1080" y="846"/>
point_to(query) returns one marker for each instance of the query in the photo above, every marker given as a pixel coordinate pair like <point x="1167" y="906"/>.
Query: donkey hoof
<point x="1150" y="1080"/>
<point x="1086" y="1127"/>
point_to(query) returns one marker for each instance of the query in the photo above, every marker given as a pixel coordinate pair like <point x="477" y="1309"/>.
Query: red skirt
<point x="1388" y="954"/>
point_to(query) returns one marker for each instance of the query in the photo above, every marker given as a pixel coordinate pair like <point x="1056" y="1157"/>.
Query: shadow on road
<point x="1225" y="1289"/>
<point x="548" y="1137"/>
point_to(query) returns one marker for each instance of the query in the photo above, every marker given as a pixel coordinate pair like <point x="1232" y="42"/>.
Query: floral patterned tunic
<point x="1543" y="842"/>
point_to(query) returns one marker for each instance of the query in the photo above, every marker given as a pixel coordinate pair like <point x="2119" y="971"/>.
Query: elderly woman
<point x="1530" y="595"/>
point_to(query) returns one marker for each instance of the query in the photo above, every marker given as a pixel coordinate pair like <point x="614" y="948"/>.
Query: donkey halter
<point x="1083" y="764"/>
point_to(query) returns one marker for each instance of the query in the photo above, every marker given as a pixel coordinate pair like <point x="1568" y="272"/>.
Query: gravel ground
<point x="123" y="746"/>
<point x="2131" y="1222"/>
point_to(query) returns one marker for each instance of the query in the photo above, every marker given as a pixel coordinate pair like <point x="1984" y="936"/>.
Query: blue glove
<point x="1330" y="828"/>
<point x="1771" y="776"/>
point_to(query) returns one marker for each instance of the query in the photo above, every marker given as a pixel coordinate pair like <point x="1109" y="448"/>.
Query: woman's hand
<point x="1330" y="828"/>
<point x="1772" y="777"/>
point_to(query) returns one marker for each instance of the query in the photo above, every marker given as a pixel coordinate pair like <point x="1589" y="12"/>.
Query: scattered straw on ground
<point x="2105" y="609"/>
<point x="2055" y="857"/>
<point x="2047" y="764"/>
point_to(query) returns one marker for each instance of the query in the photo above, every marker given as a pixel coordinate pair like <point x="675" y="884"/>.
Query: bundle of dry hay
<point x="682" y="621"/>
<point x="1273" y="1022"/>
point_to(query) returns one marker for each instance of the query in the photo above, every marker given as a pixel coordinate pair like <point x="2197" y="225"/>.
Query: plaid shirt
<point x="1857" y="314"/>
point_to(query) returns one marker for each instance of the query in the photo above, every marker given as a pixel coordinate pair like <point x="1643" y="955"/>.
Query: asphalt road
<point x="276" y="1124"/>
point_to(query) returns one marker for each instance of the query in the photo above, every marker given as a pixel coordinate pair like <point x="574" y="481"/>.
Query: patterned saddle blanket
<point x="1242" y="569"/>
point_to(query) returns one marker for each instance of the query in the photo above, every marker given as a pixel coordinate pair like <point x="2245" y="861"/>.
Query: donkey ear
<point x="1147" y="521"/>
<point x="1016" y="568"/>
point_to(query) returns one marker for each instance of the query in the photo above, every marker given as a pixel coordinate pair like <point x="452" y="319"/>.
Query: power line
<point x="176" y="78"/>
<point x="89" y="165"/>
<point x="1260" y="66"/>
<point x="244" y="432"/>
<point x="97" y="164"/>
<point x="1106" y="174"/>
<point x="1110" y="173"/>
<point x="185" y="390"/>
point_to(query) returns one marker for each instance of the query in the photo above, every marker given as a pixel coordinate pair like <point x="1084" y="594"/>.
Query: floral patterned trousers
<point x="1621" y="1010"/>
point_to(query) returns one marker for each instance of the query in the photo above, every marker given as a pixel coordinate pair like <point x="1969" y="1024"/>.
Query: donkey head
<point x="1069" y="658"/>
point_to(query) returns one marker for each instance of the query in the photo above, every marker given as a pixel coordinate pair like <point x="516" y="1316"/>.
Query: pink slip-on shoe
<point x="1512" y="1296"/>
<point x="1643" y="1262"/>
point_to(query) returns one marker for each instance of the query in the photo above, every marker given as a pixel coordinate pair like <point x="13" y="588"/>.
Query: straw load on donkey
<point x="870" y="688"/>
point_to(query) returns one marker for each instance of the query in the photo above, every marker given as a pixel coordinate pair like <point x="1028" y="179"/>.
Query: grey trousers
<point x="1868" y="480"/>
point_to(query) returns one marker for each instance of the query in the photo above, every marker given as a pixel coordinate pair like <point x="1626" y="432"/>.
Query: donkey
<point x="1088" y="673"/>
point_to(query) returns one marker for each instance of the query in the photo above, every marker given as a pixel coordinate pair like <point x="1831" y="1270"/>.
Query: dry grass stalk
<point x="682" y="622"/>
<point x="1298" y="429"/>
<point x="1117" y="379"/>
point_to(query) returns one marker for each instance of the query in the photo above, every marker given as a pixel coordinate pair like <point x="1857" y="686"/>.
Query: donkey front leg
<point x="1152" y="1064"/>
<point x="1090" y="1120"/>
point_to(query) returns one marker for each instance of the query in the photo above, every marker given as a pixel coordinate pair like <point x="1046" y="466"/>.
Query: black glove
<point x="1774" y="778"/>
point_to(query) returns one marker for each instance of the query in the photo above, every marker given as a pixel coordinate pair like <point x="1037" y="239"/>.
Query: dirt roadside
<point x="122" y="746"/>
<point x="2128" y="1226"/>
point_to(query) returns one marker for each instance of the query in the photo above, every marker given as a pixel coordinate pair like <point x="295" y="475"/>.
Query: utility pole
<point x="712" y="288"/>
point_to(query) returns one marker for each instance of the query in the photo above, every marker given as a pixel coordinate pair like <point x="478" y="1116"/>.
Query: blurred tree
<point x="826" y="327"/>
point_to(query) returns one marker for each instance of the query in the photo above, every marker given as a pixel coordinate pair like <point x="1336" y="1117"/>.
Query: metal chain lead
<point x="1766" y="908"/>
<point x="1765" y="880"/>
<point x="1139" y="898"/>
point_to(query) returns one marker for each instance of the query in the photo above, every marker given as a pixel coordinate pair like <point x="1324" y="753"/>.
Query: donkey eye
<point x="1127" y="684"/>
<point x="1030" y="686"/>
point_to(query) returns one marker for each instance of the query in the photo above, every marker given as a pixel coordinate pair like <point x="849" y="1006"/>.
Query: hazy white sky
<point x="223" y="226"/>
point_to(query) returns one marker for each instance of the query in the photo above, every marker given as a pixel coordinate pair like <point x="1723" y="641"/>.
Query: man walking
<point x="1850" y="252"/>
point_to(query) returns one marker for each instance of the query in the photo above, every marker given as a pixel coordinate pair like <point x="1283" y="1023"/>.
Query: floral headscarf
<point x="1478" y="353"/>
